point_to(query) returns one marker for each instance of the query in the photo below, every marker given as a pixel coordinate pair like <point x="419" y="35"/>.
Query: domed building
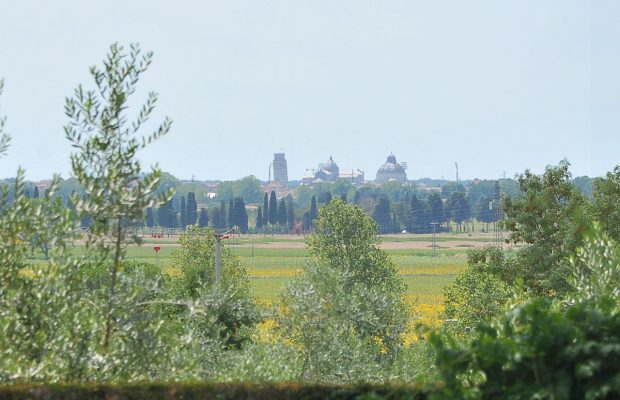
<point x="328" y="172"/>
<point x="391" y="171"/>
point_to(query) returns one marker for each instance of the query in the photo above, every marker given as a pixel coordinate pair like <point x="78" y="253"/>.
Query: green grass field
<point x="272" y="261"/>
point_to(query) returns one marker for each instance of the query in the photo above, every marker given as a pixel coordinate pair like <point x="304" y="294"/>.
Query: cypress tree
<point x="223" y="216"/>
<point x="436" y="205"/>
<point x="171" y="215"/>
<point x="36" y="193"/>
<point x="290" y="215"/>
<point x="162" y="216"/>
<point x="381" y="215"/>
<point x="183" y="215"/>
<point x="273" y="208"/>
<point x="356" y="197"/>
<point x="150" y="222"/>
<point x="395" y="228"/>
<point x="313" y="211"/>
<point x="306" y="223"/>
<point x="419" y="220"/>
<point x="328" y="197"/>
<point x="231" y="214"/>
<point x="215" y="218"/>
<point x="240" y="215"/>
<point x="343" y="197"/>
<point x="282" y="213"/>
<point x="259" y="218"/>
<point x="191" y="209"/>
<point x="266" y="209"/>
<point x="203" y="218"/>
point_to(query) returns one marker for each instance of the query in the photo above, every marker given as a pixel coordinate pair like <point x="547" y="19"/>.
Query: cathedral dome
<point x="331" y="166"/>
<point x="391" y="171"/>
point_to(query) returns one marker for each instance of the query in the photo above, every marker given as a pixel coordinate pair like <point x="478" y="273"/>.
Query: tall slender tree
<point x="35" y="195"/>
<point x="436" y="207"/>
<point x="231" y="213"/>
<point x="266" y="209"/>
<point x="183" y="218"/>
<point x="162" y="216"/>
<point x="171" y="215"/>
<point x="223" y="215"/>
<point x="273" y="208"/>
<point x="191" y="209"/>
<point x="203" y="218"/>
<point x="381" y="215"/>
<point x="216" y="220"/>
<point x="259" y="219"/>
<point x="240" y="214"/>
<point x="150" y="221"/>
<point x="105" y="162"/>
<point x="418" y="221"/>
<point x="290" y="214"/>
<point x="306" y="222"/>
<point x="314" y="213"/>
<point x="282" y="213"/>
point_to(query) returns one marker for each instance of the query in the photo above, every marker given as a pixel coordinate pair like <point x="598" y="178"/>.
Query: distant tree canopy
<point x="249" y="188"/>
<point x="458" y="208"/>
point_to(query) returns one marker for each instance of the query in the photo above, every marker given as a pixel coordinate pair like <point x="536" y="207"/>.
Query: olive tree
<point x="4" y="137"/>
<point x="106" y="143"/>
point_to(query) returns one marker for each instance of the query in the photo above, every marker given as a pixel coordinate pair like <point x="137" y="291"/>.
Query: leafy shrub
<point x="346" y="312"/>
<point x="477" y="294"/>
<point x="537" y="351"/>
<point x="195" y="260"/>
<point x="542" y="350"/>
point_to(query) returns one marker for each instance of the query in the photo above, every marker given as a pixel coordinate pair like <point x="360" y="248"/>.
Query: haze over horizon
<point x="495" y="86"/>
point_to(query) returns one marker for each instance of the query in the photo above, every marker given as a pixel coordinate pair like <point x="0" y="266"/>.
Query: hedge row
<point x="221" y="391"/>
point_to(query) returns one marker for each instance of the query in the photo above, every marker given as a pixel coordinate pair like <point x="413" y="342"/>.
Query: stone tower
<point x="280" y="172"/>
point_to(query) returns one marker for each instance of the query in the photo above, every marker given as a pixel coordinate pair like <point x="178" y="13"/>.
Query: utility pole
<point x="218" y="254"/>
<point x="497" y="230"/>
<point x="434" y="237"/>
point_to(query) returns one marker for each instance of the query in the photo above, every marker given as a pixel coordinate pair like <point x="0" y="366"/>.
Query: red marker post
<point x="157" y="248"/>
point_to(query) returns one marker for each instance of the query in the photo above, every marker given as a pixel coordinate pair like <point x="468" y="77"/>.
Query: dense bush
<point x="479" y="293"/>
<point x="346" y="312"/>
<point x="537" y="351"/>
<point x="195" y="262"/>
<point x="545" y="349"/>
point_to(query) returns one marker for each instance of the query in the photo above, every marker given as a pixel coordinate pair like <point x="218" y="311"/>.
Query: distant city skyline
<point x="496" y="86"/>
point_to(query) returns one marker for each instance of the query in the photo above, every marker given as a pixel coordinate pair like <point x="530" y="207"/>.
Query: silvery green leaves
<point x="596" y="267"/>
<point x="105" y="161"/>
<point x="4" y="137"/>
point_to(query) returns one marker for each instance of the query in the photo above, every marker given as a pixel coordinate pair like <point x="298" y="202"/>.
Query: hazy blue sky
<point x="495" y="85"/>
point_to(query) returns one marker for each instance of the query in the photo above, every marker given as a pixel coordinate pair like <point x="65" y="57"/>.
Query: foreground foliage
<point x="235" y="391"/>
<point x="543" y="349"/>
